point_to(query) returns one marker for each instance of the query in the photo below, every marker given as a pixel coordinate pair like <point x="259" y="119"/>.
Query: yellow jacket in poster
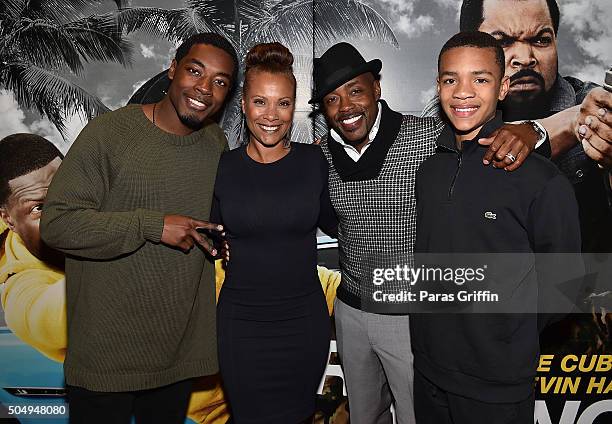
<point x="33" y="298"/>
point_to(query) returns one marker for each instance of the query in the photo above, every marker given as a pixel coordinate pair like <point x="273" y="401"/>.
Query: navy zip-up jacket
<point x="464" y="207"/>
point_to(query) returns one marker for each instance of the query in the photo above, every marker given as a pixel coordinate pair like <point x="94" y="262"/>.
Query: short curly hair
<point x="476" y="39"/>
<point x="211" y="39"/>
<point x="21" y="154"/>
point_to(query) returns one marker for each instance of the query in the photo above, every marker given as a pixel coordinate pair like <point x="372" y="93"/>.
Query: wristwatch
<point x="539" y="129"/>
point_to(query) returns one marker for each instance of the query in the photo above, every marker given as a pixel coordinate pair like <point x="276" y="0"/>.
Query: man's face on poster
<point x="527" y="35"/>
<point x="24" y="206"/>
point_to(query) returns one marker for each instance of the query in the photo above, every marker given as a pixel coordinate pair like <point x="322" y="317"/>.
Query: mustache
<point x="527" y="73"/>
<point x="202" y="99"/>
<point x="346" y="115"/>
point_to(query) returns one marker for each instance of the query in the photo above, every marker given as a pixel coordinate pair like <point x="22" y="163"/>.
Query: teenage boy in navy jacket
<point x="480" y="368"/>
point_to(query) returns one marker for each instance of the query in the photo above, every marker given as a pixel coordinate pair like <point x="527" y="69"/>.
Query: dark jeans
<point x="163" y="405"/>
<point x="433" y="405"/>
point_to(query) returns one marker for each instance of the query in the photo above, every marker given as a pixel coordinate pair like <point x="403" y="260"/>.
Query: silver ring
<point x="511" y="157"/>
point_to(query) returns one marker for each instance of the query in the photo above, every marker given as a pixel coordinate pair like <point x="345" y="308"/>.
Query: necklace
<point x="154" y="106"/>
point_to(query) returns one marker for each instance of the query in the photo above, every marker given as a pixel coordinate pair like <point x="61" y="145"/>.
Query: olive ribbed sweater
<point x="140" y="314"/>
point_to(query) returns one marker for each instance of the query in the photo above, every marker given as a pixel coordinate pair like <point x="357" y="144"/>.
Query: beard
<point x="521" y="105"/>
<point x="192" y="122"/>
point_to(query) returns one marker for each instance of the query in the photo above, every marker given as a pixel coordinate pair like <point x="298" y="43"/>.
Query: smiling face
<point x="525" y="31"/>
<point x="268" y="105"/>
<point x="469" y="85"/>
<point x="24" y="206"/>
<point x="200" y="84"/>
<point x="351" y="109"/>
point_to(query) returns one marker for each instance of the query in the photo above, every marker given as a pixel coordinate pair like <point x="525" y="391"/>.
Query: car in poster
<point x="32" y="385"/>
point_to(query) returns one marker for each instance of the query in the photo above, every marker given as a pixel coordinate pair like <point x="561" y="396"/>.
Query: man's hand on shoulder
<point x="510" y="145"/>
<point x="593" y="126"/>
<point x="182" y="232"/>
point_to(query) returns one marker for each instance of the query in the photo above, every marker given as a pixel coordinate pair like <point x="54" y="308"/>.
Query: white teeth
<point x="351" y="120"/>
<point x="465" y="109"/>
<point x="266" y="128"/>
<point x="196" y="103"/>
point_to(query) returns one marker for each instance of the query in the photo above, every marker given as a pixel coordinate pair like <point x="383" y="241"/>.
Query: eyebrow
<point x="224" y="74"/>
<point x="32" y="199"/>
<point x="479" y="72"/>
<point x="253" y="96"/>
<point x="541" y="32"/>
<point x="29" y="195"/>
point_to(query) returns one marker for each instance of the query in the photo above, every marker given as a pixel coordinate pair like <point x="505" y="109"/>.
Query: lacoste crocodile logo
<point x="490" y="215"/>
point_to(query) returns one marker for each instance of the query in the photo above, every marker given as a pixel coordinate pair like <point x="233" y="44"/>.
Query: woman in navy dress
<point x="270" y="196"/>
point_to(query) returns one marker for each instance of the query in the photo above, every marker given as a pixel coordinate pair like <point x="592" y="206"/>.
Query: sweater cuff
<point x="153" y="225"/>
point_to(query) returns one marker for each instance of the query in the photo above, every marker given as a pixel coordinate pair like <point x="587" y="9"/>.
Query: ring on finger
<point x="511" y="157"/>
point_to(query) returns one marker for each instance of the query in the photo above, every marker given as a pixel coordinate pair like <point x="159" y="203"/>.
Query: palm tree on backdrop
<point x="299" y="24"/>
<point x="44" y="43"/>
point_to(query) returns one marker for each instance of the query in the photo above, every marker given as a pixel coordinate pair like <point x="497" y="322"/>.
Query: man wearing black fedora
<point x="373" y="154"/>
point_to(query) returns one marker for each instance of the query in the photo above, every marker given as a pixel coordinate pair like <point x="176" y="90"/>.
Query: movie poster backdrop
<point x="53" y="79"/>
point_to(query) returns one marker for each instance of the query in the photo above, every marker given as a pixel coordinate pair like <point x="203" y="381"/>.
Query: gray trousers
<point x="377" y="364"/>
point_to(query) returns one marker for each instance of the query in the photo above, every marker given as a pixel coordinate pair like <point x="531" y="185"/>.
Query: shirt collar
<point x="371" y="135"/>
<point x="371" y="162"/>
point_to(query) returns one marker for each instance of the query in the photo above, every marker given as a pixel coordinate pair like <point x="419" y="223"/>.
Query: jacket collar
<point x="562" y="95"/>
<point x="370" y="164"/>
<point x="446" y="140"/>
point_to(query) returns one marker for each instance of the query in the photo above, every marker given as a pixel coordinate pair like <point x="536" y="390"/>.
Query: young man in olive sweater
<point x="125" y="206"/>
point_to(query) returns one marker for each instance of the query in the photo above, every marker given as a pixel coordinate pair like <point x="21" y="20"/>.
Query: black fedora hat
<point x="339" y="64"/>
